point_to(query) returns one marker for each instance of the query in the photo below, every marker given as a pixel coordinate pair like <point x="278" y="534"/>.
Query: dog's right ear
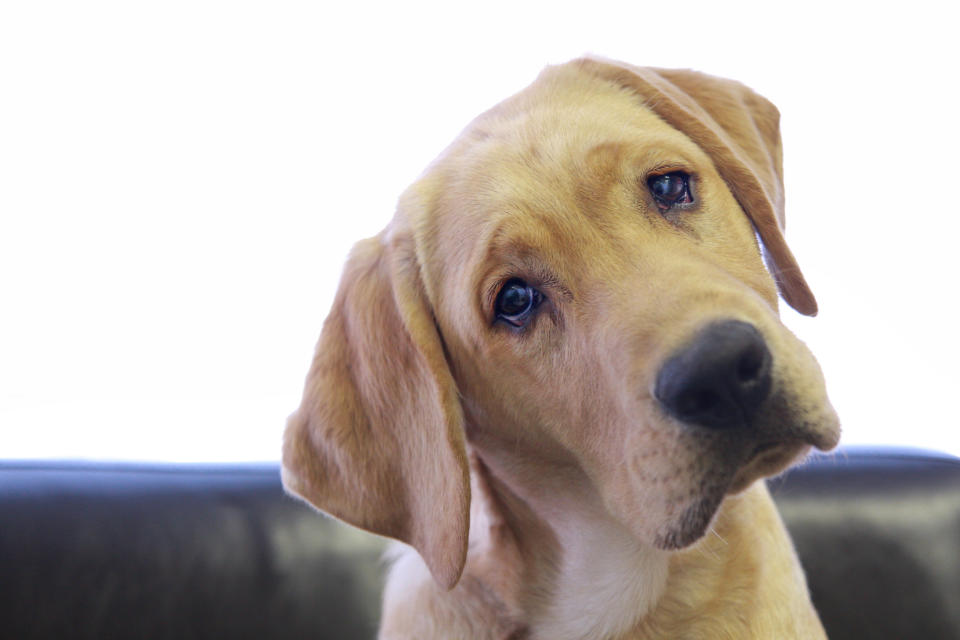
<point x="378" y="440"/>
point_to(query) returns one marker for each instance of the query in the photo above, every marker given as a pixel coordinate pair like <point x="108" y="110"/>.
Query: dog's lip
<point x="762" y="448"/>
<point x="827" y="438"/>
<point x="766" y="459"/>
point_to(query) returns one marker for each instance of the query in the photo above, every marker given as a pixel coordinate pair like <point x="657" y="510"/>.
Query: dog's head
<point x="576" y="284"/>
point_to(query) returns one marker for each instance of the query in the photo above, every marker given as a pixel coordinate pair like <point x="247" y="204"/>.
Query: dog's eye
<point x="670" y="189"/>
<point x="516" y="302"/>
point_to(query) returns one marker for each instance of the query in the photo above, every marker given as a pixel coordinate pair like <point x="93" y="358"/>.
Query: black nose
<point x="720" y="379"/>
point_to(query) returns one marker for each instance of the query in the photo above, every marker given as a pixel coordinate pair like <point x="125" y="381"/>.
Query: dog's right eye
<point x="670" y="189"/>
<point x="516" y="302"/>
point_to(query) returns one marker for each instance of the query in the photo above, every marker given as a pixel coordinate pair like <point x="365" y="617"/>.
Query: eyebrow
<point x="508" y="249"/>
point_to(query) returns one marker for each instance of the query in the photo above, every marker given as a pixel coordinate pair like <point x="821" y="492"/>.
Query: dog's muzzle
<point x="720" y="379"/>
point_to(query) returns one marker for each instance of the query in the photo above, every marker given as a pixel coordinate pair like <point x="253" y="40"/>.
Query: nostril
<point x="750" y="366"/>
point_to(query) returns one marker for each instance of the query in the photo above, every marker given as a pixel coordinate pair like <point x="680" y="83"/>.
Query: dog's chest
<point x="607" y="582"/>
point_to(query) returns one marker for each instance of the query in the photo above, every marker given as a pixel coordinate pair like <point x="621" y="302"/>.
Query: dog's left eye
<point x="670" y="189"/>
<point x="516" y="302"/>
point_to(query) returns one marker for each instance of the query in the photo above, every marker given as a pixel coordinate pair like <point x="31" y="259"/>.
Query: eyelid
<point x="489" y="299"/>
<point x="667" y="167"/>
<point x="536" y="276"/>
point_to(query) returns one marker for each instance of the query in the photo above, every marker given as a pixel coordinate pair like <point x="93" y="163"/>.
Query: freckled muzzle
<point x="720" y="379"/>
<point x="736" y="416"/>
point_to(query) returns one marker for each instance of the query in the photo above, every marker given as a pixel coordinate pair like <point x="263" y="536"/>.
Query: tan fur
<point x="543" y="491"/>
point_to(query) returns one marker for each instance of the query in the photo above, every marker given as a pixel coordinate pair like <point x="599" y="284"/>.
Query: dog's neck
<point x="584" y="574"/>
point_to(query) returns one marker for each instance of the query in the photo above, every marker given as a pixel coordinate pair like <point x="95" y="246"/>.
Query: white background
<point x="180" y="183"/>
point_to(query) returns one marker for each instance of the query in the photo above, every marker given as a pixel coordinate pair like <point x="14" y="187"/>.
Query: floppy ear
<point x="378" y="440"/>
<point x="740" y="131"/>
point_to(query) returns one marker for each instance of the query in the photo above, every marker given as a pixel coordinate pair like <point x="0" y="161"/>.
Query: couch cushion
<point x="168" y="551"/>
<point x="107" y="551"/>
<point x="878" y="532"/>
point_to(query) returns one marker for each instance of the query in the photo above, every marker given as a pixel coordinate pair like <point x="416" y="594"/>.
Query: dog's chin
<point x="694" y="522"/>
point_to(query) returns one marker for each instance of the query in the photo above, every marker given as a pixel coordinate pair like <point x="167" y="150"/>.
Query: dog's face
<point x="575" y="288"/>
<point x="570" y="253"/>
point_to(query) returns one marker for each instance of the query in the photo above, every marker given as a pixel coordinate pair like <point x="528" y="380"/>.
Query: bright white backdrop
<point x="181" y="181"/>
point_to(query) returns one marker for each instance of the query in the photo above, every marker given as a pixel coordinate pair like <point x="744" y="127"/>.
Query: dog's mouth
<point x="767" y="459"/>
<point x="764" y="460"/>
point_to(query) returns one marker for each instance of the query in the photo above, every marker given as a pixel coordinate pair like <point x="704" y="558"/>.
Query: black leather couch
<point x="165" y="551"/>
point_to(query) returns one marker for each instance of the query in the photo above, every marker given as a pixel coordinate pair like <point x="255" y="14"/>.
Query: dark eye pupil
<point x="671" y="188"/>
<point x="515" y="298"/>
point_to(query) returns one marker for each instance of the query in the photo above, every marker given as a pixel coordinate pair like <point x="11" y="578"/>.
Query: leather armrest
<point x="878" y="532"/>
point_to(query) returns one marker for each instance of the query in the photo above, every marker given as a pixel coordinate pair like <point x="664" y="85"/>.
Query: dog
<point x="559" y="374"/>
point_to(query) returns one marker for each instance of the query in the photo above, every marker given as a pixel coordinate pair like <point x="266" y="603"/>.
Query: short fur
<point x="543" y="491"/>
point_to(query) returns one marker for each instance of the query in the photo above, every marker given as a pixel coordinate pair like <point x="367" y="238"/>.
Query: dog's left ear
<point x="740" y="131"/>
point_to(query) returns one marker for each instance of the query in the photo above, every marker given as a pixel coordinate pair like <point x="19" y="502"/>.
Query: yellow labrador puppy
<point x="559" y="375"/>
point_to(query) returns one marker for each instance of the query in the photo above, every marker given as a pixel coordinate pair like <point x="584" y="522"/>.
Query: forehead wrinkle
<point x="533" y="239"/>
<point x="601" y="171"/>
<point x="547" y="210"/>
<point x="620" y="167"/>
